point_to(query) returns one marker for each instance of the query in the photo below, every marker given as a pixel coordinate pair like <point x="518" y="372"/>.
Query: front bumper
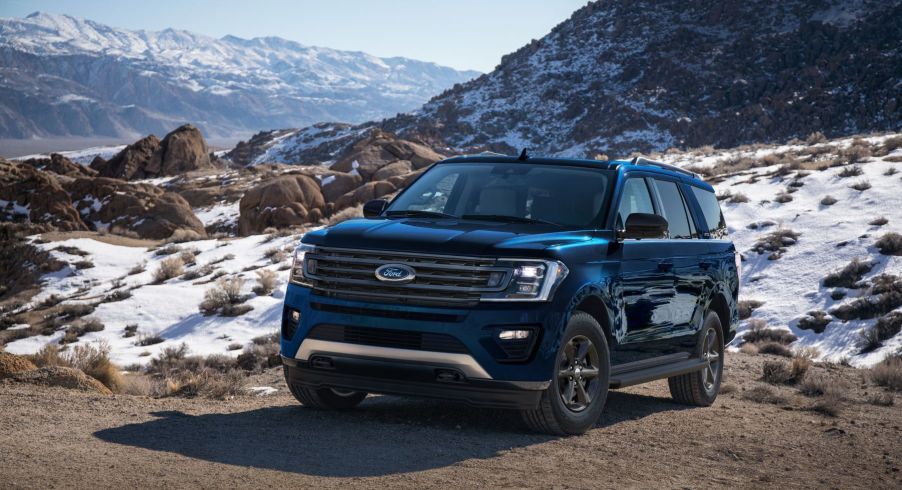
<point x="410" y="379"/>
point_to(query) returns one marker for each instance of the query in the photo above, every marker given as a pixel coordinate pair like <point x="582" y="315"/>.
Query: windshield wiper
<point x="508" y="219"/>
<point x="418" y="213"/>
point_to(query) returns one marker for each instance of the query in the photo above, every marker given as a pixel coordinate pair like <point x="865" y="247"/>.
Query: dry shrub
<point x="182" y="235"/>
<point x="882" y="296"/>
<point x="234" y="346"/>
<point x="727" y="388"/>
<point x="130" y="331"/>
<point x="815" y="385"/>
<point x="851" y="171"/>
<point x="149" y="339"/>
<point x="849" y="275"/>
<point x="815" y="138"/>
<point x="861" y="185"/>
<point x="892" y="143"/>
<point x="783" y="197"/>
<point x="92" y="359"/>
<point x="138" y="268"/>
<point x="829" y="200"/>
<point x="830" y="404"/>
<point x="81" y="327"/>
<point x="857" y="151"/>
<point x="266" y="282"/>
<point x="168" y="269"/>
<point x="275" y="255"/>
<point x="345" y="214"/>
<point x="779" y="372"/>
<point x="815" y="321"/>
<point x="120" y="295"/>
<point x="887" y="373"/>
<point x="83" y="264"/>
<point x="774" y="348"/>
<point x="763" y="394"/>
<point x="746" y="307"/>
<point x="776" y="241"/>
<point x="198" y="272"/>
<point x="749" y="349"/>
<point x="759" y="332"/>
<point x="890" y="244"/>
<point x="207" y="383"/>
<point x="189" y="256"/>
<point x="225" y="298"/>
<point x="881" y="399"/>
<point x="75" y="310"/>
<point x="890" y="172"/>
<point x="167" y="250"/>
<point x="879" y="221"/>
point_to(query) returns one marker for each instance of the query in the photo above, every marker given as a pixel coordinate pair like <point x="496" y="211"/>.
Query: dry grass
<point x="759" y="332"/>
<point x="92" y="359"/>
<point x="181" y="235"/>
<point x="815" y="321"/>
<point x="888" y="373"/>
<point x="861" y="185"/>
<point x="879" y="221"/>
<point x="138" y="268"/>
<point x="746" y="307"/>
<point x="776" y="242"/>
<point x="763" y="394"/>
<point x="81" y="327"/>
<point x="169" y="268"/>
<point x="849" y="275"/>
<point x="881" y="399"/>
<point x="266" y="282"/>
<point x="882" y="296"/>
<point x="146" y="339"/>
<point x="851" y="171"/>
<point x="783" y="197"/>
<point x="890" y="244"/>
<point x="782" y="373"/>
<point x="344" y="215"/>
<point x="774" y="349"/>
<point x="749" y="349"/>
<point x="198" y="272"/>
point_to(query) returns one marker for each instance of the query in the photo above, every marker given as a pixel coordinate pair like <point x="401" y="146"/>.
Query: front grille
<point x="380" y="337"/>
<point x="440" y="279"/>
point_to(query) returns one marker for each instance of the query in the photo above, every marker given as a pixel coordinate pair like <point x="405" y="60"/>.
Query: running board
<point x="639" y="376"/>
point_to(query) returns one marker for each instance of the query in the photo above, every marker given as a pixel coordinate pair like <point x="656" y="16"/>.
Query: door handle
<point x="665" y="266"/>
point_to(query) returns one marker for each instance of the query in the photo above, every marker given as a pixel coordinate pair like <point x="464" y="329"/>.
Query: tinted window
<point x="674" y="209"/>
<point x="711" y="210"/>
<point x="636" y="199"/>
<point x="568" y="196"/>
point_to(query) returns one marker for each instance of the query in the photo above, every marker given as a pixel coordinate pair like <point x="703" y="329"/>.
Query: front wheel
<point x="573" y="401"/>
<point x="701" y="387"/>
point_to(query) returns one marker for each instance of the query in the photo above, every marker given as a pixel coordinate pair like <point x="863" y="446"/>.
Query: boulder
<point x="393" y="169"/>
<point x="379" y="149"/>
<point x="11" y="364"/>
<point x="64" y="377"/>
<point x="61" y="165"/>
<point x="364" y="193"/>
<point x="182" y="150"/>
<point x="338" y="184"/>
<point x="283" y="201"/>
<point x="30" y="195"/>
<point x="145" y="209"/>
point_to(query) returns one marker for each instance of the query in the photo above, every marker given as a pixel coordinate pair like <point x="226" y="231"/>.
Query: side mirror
<point x="644" y="225"/>
<point x="374" y="208"/>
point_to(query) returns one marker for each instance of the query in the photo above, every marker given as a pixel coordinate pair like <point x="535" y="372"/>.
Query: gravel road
<point x="54" y="438"/>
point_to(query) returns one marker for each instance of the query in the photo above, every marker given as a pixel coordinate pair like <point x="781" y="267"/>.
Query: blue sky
<point x="464" y="34"/>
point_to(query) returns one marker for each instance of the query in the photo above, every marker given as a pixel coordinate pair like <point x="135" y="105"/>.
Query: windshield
<point x="571" y="197"/>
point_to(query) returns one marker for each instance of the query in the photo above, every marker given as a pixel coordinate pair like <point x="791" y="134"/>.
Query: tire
<point x="574" y="378"/>
<point x="701" y="387"/>
<point x="325" y="398"/>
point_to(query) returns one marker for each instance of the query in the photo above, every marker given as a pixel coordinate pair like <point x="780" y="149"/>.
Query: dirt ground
<point x="54" y="438"/>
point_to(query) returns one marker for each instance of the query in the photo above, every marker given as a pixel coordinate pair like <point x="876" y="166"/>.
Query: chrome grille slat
<point x="439" y="279"/>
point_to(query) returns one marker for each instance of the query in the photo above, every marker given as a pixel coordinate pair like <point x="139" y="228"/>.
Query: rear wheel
<point x="701" y="387"/>
<point x="573" y="401"/>
<point x="325" y="398"/>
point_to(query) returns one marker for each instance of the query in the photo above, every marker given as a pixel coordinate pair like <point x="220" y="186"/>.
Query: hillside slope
<point x="633" y="75"/>
<point x="66" y="76"/>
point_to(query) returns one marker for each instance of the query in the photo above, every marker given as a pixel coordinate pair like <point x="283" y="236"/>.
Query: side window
<point x="635" y="199"/>
<point x="714" y="221"/>
<point x="674" y="209"/>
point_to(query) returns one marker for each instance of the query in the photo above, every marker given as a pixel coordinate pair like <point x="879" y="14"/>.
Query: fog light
<point x="513" y="334"/>
<point x="295" y="316"/>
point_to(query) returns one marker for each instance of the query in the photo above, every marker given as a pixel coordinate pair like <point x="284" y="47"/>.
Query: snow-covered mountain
<point x="627" y="75"/>
<point x="66" y="76"/>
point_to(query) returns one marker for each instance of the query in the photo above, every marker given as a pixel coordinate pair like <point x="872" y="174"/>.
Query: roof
<point x="638" y="163"/>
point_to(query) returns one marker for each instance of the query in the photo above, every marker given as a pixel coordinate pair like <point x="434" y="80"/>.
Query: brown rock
<point x="393" y="169"/>
<point x="148" y="210"/>
<point x="182" y="150"/>
<point x="364" y="193"/>
<point x="28" y="194"/>
<point x="379" y="149"/>
<point x="339" y="185"/>
<point x="11" y="364"/>
<point x="281" y="202"/>
<point x="61" y="165"/>
<point x="73" y="379"/>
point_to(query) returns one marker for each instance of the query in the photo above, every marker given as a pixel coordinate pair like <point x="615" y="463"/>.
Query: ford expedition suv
<point x="532" y="284"/>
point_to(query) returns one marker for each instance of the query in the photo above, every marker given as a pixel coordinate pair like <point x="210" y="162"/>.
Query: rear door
<point x="686" y="255"/>
<point x="646" y="278"/>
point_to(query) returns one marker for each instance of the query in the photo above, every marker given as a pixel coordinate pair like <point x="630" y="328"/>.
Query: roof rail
<point x="665" y="166"/>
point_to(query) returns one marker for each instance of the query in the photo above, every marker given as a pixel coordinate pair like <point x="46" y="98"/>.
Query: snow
<point x="169" y="309"/>
<point x="82" y="157"/>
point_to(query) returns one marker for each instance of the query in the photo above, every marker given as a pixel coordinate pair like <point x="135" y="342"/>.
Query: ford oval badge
<point x="398" y="273"/>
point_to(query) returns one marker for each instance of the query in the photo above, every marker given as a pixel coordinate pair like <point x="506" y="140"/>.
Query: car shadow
<point x="385" y="435"/>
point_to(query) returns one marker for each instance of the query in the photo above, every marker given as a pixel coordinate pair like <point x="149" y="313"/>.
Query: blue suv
<point x="533" y="284"/>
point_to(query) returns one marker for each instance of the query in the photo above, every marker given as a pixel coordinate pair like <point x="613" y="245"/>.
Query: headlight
<point x="300" y="266"/>
<point x="531" y="280"/>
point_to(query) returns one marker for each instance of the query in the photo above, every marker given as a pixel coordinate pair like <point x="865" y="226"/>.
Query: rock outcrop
<point x="32" y="196"/>
<point x="61" y="165"/>
<point x="380" y="149"/>
<point x="182" y="150"/>
<point x="145" y="209"/>
<point x="284" y="201"/>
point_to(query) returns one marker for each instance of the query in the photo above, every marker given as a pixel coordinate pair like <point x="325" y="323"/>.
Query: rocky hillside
<point x="622" y="76"/>
<point x="65" y="76"/>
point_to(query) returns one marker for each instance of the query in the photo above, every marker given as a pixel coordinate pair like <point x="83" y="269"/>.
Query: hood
<point x="448" y="236"/>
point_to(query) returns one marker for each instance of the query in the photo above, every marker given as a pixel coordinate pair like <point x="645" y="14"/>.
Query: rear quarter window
<point x="714" y="221"/>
